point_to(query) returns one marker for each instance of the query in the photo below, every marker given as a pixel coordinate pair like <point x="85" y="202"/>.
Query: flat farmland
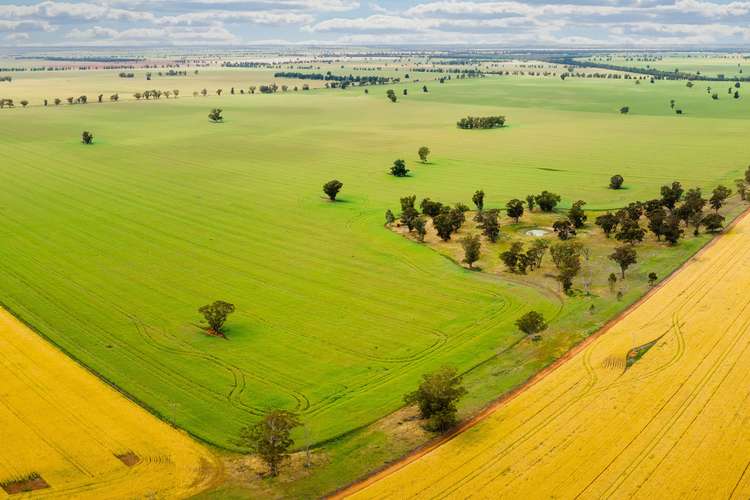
<point x="79" y="438"/>
<point x="655" y="407"/>
<point x="109" y="250"/>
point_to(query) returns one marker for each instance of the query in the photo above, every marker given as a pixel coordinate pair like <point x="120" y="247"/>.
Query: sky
<point x="512" y="23"/>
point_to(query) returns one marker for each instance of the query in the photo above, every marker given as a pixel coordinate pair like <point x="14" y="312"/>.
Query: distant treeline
<point x="351" y="79"/>
<point x="656" y="73"/>
<point x="245" y="64"/>
<point x="91" y="59"/>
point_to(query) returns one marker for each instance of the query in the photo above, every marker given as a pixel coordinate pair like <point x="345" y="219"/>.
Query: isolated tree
<point x="57" y="101"/>
<point x="87" y="137"/>
<point x="332" y="188"/>
<point x="566" y="256"/>
<point x="391" y="95"/>
<point x="489" y="223"/>
<point x="719" y="196"/>
<point x="216" y="314"/>
<point x="437" y="397"/>
<point x="478" y="199"/>
<point x="624" y="256"/>
<point x="204" y="92"/>
<point x="424" y="89"/>
<point x="270" y="438"/>
<point x="670" y="195"/>
<point x="547" y="201"/>
<point x="472" y="249"/>
<point x="399" y="169"/>
<point x="219" y="91"/>
<point x="576" y="215"/>
<point x="713" y="222"/>
<point x="423" y="153"/>
<point x="564" y="229"/>
<point x="532" y="322"/>
<point x="616" y="181"/>
<point x="24" y="103"/>
<point x="215" y="115"/>
<point x="652" y="278"/>
<point x="625" y="110"/>
<point x="608" y="222"/>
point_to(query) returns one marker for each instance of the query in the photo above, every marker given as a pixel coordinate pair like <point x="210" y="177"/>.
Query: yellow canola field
<point x="61" y="422"/>
<point x="674" y="424"/>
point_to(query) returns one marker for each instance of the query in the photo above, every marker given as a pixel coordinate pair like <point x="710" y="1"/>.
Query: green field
<point x="109" y="250"/>
<point x="729" y="65"/>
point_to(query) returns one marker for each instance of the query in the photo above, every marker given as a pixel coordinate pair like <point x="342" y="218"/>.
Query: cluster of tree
<point x="350" y="79"/>
<point x="157" y="94"/>
<point x="126" y="75"/>
<point x="445" y="219"/>
<point x="391" y="94"/>
<point x="5" y="79"/>
<point x="6" y="103"/>
<point x="668" y="214"/>
<point x="481" y="122"/>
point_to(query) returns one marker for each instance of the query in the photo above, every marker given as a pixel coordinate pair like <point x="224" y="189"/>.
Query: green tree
<point x="478" y="199"/>
<point x="431" y="208"/>
<point x="332" y="188"/>
<point x="564" y="229"/>
<point x="535" y="254"/>
<point x="713" y="222"/>
<point x="616" y="181"/>
<point x="624" y="256"/>
<point x="489" y="223"/>
<point x="741" y="186"/>
<point x="566" y="256"/>
<point x="420" y="226"/>
<point x="612" y="280"/>
<point x="547" y="201"/>
<point x="423" y="153"/>
<point x="399" y="169"/>
<point x="437" y="397"/>
<point x="270" y="438"/>
<point x="215" y="115"/>
<point x="625" y="110"/>
<point x="576" y="215"/>
<point x="389" y="217"/>
<point x="472" y="249"/>
<point x="87" y="137"/>
<point x="531" y="322"/>
<point x="656" y="218"/>
<point x="391" y="95"/>
<point x="671" y="229"/>
<point x="443" y="225"/>
<point x="409" y="216"/>
<point x="408" y="201"/>
<point x="652" y="278"/>
<point x="514" y="209"/>
<point x="608" y="222"/>
<point x="630" y="231"/>
<point x="216" y="314"/>
<point x="530" y="202"/>
<point x="719" y="196"/>
<point x="670" y="195"/>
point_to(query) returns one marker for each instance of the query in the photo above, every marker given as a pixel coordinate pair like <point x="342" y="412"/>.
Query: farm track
<point x="63" y="423"/>
<point x="672" y="425"/>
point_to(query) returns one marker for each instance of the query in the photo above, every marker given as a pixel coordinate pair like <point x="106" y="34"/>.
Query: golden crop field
<point x="656" y="407"/>
<point x="79" y="436"/>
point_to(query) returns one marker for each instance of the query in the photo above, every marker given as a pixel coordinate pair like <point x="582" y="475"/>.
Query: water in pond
<point x="537" y="232"/>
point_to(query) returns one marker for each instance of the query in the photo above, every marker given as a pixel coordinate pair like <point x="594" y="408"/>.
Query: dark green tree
<point x="472" y="249"/>
<point x="608" y="222"/>
<point x="624" y="256"/>
<point x="216" y="314"/>
<point x="332" y="188"/>
<point x="616" y="181"/>
<point x="713" y="222"/>
<point x="530" y="202"/>
<point x="566" y="256"/>
<point x="478" y="199"/>
<point x="270" y="438"/>
<point x="547" y="201"/>
<point x="87" y="137"/>
<point x="670" y="195"/>
<point x="489" y="223"/>
<point x="424" y="153"/>
<point x="399" y="169"/>
<point x="531" y="322"/>
<point x="576" y="215"/>
<point x="215" y="115"/>
<point x="443" y="225"/>
<point x="514" y="209"/>
<point x="437" y="397"/>
<point x="630" y="231"/>
<point x="719" y="196"/>
<point x="564" y="229"/>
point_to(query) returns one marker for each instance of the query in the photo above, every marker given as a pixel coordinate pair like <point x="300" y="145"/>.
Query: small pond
<point x="537" y="232"/>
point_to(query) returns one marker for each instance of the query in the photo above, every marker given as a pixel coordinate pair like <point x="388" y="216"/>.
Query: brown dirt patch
<point x="129" y="458"/>
<point x="32" y="482"/>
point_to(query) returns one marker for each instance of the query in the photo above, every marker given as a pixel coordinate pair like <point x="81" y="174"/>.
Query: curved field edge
<point x="81" y="436"/>
<point x="394" y="472"/>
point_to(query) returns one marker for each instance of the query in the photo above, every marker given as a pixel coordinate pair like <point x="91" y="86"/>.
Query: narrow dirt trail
<point x="82" y="437"/>
<point x="673" y="423"/>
